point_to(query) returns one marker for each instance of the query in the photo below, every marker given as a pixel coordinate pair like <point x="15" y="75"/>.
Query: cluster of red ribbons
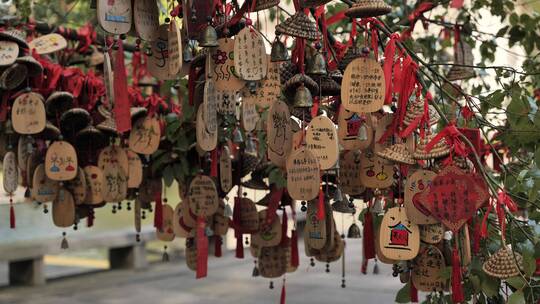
<point x="415" y="16"/>
<point x="453" y="138"/>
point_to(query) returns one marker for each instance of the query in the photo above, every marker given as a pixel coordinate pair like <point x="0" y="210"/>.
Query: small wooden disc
<point x="375" y="171"/>
<point x="135" y="169"/>
<point x="223" y="68"/>
<point x="115" y="183"/>
<point x="350" y="125"/>
<point x="146" y="19"/>
<point x="203" y="197"/>
<point x="114" y="16"/>
<point x="61" y="161"/>
<point x="427" y="270"/>
<point x="431" y="233"/>
<point x="315" y="234"/>
<point x="175" y="48"/>
<point x="349" y="173"/>
<point x="363" y="87"/>
<point x="303" y="175"/>
<point x="279" y="133"/>
<point x="268" y="235"/>
<point x="333" y="253"/>
<point x="48" y="44"/>
<point x="417" y="182"/>
<point x="225" y="169"/>
<point x="9" y="51"/>
<point x="250" y="59"/>
<point x="44" y="189"/>
<point x="322" y="140"/>
<point x="145" y="135"/>
<point x="158" y="63"/>
<point x="28" y="113"/>
<point x="63" y="209"/>
<point x="166" y="234"/>
<point x="113" y="155"/>
<point x="272" y="262"/>
<point x="206" y="140"/>
<point x="10" y="172"/>
<point x="77" y="187"/>
<point x="270" y="90"/>
<point x="94" y="185"/>
<point x="249" y="218"/>
<point x="399" y="237"/>
<point x="250" y="116"/>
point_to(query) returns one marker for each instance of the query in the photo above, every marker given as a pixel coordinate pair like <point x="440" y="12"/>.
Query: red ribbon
<point x="73" y="81"/>
<point x="122" y="106"/>
<point x="214" y="163"/>
<point x="217" y="246"/>
<point x="414" y="16"/>
<point x="457" y="288"/>
<point x="202" y="249"/>
<point x="320" y="207"/>
<point x="95" y="89"/>
<point x="295" y="260"/>
<point x="414" y="292"/>
<point x="158" y="213"/>
<point x="11" y="216"/>
<point x="452" y="136"/>
<point x="87" y="36"/>
<point x="153" y="104"/>
<point x="389" y="54"/>
<point x="283" y="295"/>
<point x="368" y="241"/>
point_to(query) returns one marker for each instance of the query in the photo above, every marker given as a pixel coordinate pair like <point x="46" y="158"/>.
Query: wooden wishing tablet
<point x="206" y="140"/>
<point x="44" y="189"/>
<point x="349" y="172"/>
<point x="322" y="140"/>
<point x="249" y="218"/>
<point x="179" y="227"/>
<point x="24" y="150"/>
<point x="378" y="251"/>
<point x="10" y="172"/>
<point x="270" y="89"/>
<point x="279" y="133"/>
<point x="63" y="209"/>
<point x="77" y="187"/>
<point x="363" y="87"/>
<point x="225" y="169"/>
<point x="303" y="175"/>
<point x="166" y="234"/>
<point x="112" y="155"/>
<point x="48" y="44"/>
<point x="349" y="126"/>
<point x="189" y="219"/>
<point x="315" y="234"/>
<point x="114" y="16"/>
<point x="223" y="68"/>
<point x="375" y="171"/>
<point x="146" y="19"/>
<point x="135" y="169"/>
<point x="226" y="101"/>
<point x="417" y="182"/>
<point x="333" y="253"/>
<point x="210" y="106"/>
<point x="428" y="267"/>
<point x="399" y="237"/>
<point x="61" y="161"/>
<point x="94" y="185"/>
<point x="250" y="116"/>
<point x="221" y="224"/>
<point x="9" y="51"/>
<point x="108" y="77"/>
<point x="431" y="233"/>
<point x="250" y="59"/>
<point x="145" y="135"/>
<point x="115" y="183"/>
<point x="203" y="197"/>
<point x="272" y="262"/>
<point x="174" y="48"/>
<point x="158" y="62"/>
<point x="268" y="235"/>
<point x="28" y="114"/>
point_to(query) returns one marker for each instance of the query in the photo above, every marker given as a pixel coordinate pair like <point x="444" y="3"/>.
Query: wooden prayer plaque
<point x="272" y="262"/>
<point x="146" y="19"/>
<point x="349" y="126"/>
<point x="77" y="187"/>
<point x="333" y="253"/>
<point x="166" y="234"/>
<point x="158" y="63"/>
<point x="303" y="175"/>
<point x="225" y="169"/>
<point x="250" y="116"/>
<point x="221" y="224"/>
<point x="375" y="172"/>
<point x="249" y="218"/>
<point x="431" y="233"/>
<point x="363" y="88"/>
<point x="179" y="227"/>
<point x="114" y="16"/>
<point x="349" y="173"/>
<point x="10" y="172"/>
<point x="270" y="89"/>
<point x="47" y="44"/>
<point x="95" y="185"/>
<point x="250" y="59"/>
<point x="428" y="266"/>
<point x="63" y="209"/>
<point x="28" y="114"/>
<point x="210" y="106"/>
<point x="114" y="183"/>
<point x="268" y="235"/>
<point x="378" y="250"/>
<point x="174" y="48"/>
<point x="145" y="135"/>
<point x="113" y="155"/>
<point x="203" y="197"/>
<point x="223" y="68"/>
<point x="44" y="189"/>
<point x="279" y="133"/>
<point x="61" y="161"/>
<point x="135" y="169"/>
<point x="417" y="182"/>
<point x="322" y="140"/>
<point x="226" y="101"/>
<point x="206" y="139"/>
<point x="315" y="235"/>
<point x="9" y="51"/>
<point x="399" y="237"/>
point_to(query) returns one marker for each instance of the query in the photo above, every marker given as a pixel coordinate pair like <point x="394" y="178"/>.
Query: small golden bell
<point x="317" y="65"/>
<point x="278" y="52"/>
<point x="208" y="37"/>
<point x="354" y="232"/>
<point x="187" y="52"/>
<point x="303" y="98"/>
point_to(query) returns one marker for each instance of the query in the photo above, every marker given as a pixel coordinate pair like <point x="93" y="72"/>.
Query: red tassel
<point x="315" y="108"/>
<point x="457" y="288"/>
<point x="295" y="261"/>
<point x="214" y="164"/>
<point x="368" y="239"/>
<point x="283" y="296"/>
<point x="202" y="249"/>
<point x="414" y="293"/>
<point x="239" y="247"/>
<point x="320" y="207"/>
<point x="158" y="213"/>
<point x="11" y="217"/>
<point x="363" y="269"/>
<point x="90" y="219"/>
<point x="217" y="246"/>
<point x="121" y="100"/>
<point x="284" y="229"/>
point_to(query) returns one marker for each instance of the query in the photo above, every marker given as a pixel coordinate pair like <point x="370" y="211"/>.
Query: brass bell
<point x="303" y="98"/>
<point x="279" y="52"/>
<point x="317" y="65"/>
<point x="338" y="196"/>
<point x="342" y="206"/>
<point x="354" y="232"/>
<point x="187" y="52"/>
<point x="238" y="138"/>
<point x="208" y="37"/>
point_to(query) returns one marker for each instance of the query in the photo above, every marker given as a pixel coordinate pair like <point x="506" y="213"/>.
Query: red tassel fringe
<point x="368" y="241"/>
<point x="295" y="261"/>
<point x="158" y="213"/>
<point x="239" y="247"/>
<point x="11" y="217"/>
<point x="320" y="207"/>
<point x="457" y="288"/>
<point x="283" y="296"/>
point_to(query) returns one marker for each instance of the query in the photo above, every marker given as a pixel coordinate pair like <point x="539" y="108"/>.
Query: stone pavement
<point x="229" y="281"/>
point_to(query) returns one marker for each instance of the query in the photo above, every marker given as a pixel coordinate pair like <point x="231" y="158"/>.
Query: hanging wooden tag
<point x="9" y="51"/>
<point x="145" y="135"/>
<point x="10" y="172"/>
<point x="225" y="169"/>
<point x="375" y="172"/>
<point x="203" y="197"/>
<point x="272" y="262"/>
<point x="349" y="173"/>
<point x="179" y="227"/>
<point x="249" y="218"/>
<point x="431" y="233"/>
<point x="417" y="182"/>
<point x="94" y="185"/>
<point x="210" y="106"/>
<point x="174" y="48"/>
<point x="113" y="155"/>
<point x="315" y="235"/>
<point x="223" y="68"/>
<point x="333" y="253"/>
<point x="453" y="197"/>
<point x="250" y="59"/>
<point x="28" y="114"/>
<point x="206" y="140"/>
<point x="303" y="175"/>
<point x="77" y="187"/>
<point x="190" y="220"/>
<point x="363" y="87"/>
<point x="378" y="251"/>
<point x="158" y="62"/>
<point x="146" y="19"/>
<point x="226" y="101"/>
<point x="270" y="89"/>
<point x="279" y="133"/>
<point x="221" y="224"/>
<point x="135" y="169"/>
<point x="63" y="209"/>
<point x="250" y="116"/>
<point x="349" y="126"/>
<point x="322" y="140"/>
<point x="47" y="44"/>
<point x="427" y="270"/>
<point x="399" y="237"/>
<point x="166" y="234"/>
<point x="114" y="16"/>
<point x="115" y="183"/>
<point x="268" y="235"/>
<point x="44" y="189"/>
<point x="61" y="161"/>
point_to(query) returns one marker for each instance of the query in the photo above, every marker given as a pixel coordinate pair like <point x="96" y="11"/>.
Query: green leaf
<point x="490" y="286"/>
<point x="446" y="272"/>
<point x="529" y="263"/>
<point x="517" y="282"/>
<point x="516" y="298"/>
<point x="404" y="294"/>
<point x="537" y="157"/>
<point x="168" y="175"/>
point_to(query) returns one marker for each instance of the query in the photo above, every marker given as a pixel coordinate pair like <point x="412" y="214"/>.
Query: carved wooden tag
<point x="322" y="140"/>
<point x="206" y="139"/>
<point x="114" y="183"/>
<point x="417" y="182"/>
<point x="61" y="161"/>
<point x="48" y="44"/>
<point x="113" y="155"/>
<point x="333" y="253"/>
<point x="94" y="185"/>
<point x="268" y="235"/>
<point x="9" y="51"/>
<point x="315" y="235"/>
<point x="279" y="133"/>
<point x="272" y="262"/>
<point x="77" y="187"/>
<point x="363" y="87"/>
<point x="249" y="218"/>
<point x="303" y="175"/>
<point x="174" y="48"/>
<point x="179" y="227"/>
<point x="158" y="62"/>
<point x="28" y="114"/>
<point x="225" y="169"/>
<point x="63" y="209"/>
<point x="221" y="224"/>
<point x="250" y="116"/>
<point x="190" y="219"/>
<point x="427" y="270"/>
<point x="203" y="197"/>
<point x="44" y="189"/>
<point x="135" y="169"/>
<point x="378" y="251"/>
<point x="210" y="106"/>
<point x="431" y="233"/>
<point x="226" y="101"/>
<point x="349" y="173"/>
<point x="145" y="135"/>
<point x="250" y="55"/>
<point x="350" y="124"/>
<point x="146" y="19"/>
<point x="223" y="68"/>
<point x="114" y="16"/>
<point x="399" y="237"/>
<point x="10" y="172"/>
<point x="166" y="234"/>
<point x="270" y="89"/>
<point x="375" y="172"/>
